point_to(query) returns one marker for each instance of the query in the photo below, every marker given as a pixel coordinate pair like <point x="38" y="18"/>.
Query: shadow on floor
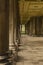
<point x="21" y="59"/>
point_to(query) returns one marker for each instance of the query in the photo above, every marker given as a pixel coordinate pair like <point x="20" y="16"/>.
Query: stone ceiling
<point x="28" y="9"/>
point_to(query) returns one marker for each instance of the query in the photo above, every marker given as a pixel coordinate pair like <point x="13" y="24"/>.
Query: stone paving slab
<point x="31" y="51"/>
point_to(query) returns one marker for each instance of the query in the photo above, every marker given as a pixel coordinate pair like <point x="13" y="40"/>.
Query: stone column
<point x="37" y="26"/>
<point x="18" y="31"/>
<point x="42" y="27"/>
<point x="29" y="27"/>
<point x="11" y="25"/>
<point x="26" y="28"/>
<point x="18" y="22"/>
<point x="14" y="21"/>
<point x="30" y="33"/>
<point x="4" y="28"/>
<point x="33" y="26"/>
<point x="21" y="28"/>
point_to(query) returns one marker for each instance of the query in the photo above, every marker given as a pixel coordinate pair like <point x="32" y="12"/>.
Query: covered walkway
<point x="19" y="46"/>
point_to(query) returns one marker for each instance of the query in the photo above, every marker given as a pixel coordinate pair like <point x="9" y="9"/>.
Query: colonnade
<point x="35" y="26"/>
<point x="9" y="26"/>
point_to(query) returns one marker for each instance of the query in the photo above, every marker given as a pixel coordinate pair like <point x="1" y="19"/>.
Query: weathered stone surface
<point x="31" y="51"/>
<point x="4" y="26"/>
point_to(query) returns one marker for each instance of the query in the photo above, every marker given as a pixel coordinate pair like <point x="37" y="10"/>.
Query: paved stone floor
<point x="30" y="51"/>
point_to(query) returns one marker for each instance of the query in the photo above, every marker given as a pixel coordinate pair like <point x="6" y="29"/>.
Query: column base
<point x="5" y="59"/>
<point x="39" y="35"/>
<point x="33" y="35"/>
<point x="14" y="53"/>
<point x="30" y="34"/>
